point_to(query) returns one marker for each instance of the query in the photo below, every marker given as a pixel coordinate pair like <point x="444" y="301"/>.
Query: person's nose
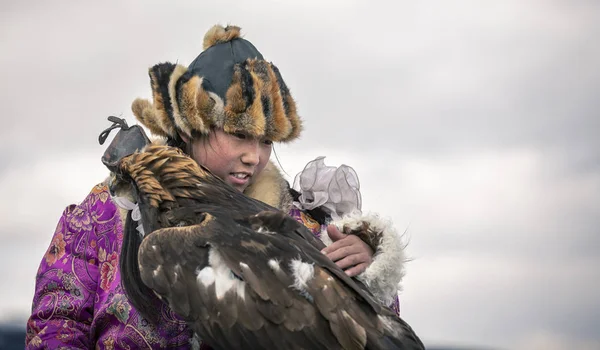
<point x="251" y="155"/>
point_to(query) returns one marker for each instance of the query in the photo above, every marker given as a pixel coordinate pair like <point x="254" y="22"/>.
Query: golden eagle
<point x="242" y="274"/>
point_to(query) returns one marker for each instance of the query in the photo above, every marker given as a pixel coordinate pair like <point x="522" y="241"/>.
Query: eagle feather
<point x="242" y="273"/>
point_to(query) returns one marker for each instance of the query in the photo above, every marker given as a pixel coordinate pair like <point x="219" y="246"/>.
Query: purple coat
<point x="79" y="301"/>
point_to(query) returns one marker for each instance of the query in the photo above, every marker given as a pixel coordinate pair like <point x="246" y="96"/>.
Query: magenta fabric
<point x="79" y="302"/>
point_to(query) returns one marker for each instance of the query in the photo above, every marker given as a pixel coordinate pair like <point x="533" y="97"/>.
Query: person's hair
<point x="178" y="143"/>
<point x="140" y="296"/>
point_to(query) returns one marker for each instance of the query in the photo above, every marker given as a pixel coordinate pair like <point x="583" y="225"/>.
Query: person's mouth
<point x="240" y="178"/>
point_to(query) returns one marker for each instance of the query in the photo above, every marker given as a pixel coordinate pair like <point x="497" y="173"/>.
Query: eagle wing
<point x="241" y="284"/>
<point x="166" y="180"/>
<point x="244" y="274"/>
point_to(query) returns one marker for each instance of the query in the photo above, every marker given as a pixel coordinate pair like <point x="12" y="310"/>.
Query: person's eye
<point x="240" y="135"/>
<point x="268" y="142"/>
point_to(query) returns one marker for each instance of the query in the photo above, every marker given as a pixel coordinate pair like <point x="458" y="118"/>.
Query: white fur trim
<point x="385" y="273"/>
<point x="325" y="237"/>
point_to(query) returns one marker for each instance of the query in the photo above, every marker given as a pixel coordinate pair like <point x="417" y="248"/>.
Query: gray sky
<point x="471" y="123"/>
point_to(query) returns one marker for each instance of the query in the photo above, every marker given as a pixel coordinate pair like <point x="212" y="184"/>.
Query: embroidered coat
<point x="79" y="301"/>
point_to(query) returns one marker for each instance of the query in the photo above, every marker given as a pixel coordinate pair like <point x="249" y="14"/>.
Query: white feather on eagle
<point x="244" y="274"/>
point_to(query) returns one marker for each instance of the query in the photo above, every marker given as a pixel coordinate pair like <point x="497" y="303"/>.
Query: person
<point x="225" y="111"/>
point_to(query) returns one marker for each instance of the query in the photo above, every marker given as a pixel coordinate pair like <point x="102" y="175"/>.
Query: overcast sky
<point x="472" y="123"/>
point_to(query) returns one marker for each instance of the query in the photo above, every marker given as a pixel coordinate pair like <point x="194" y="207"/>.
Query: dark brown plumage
<point x="244" y="274"/>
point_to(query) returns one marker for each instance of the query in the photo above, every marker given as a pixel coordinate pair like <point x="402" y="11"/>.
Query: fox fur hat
<point x="228" y="86"/>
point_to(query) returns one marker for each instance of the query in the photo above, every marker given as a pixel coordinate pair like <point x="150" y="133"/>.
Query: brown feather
<point x="201" y="229"/>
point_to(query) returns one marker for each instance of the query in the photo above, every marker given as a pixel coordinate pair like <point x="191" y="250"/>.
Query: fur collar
<point x="270" y="187"/>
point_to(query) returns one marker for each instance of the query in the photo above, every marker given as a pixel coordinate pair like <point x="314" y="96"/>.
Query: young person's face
<point x="235" y="158"/>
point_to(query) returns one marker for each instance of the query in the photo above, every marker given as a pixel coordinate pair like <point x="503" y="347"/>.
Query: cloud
<point x="35" y="192"/>
<point x="544" y="340"/>
<point x="427" y="77"/>
<point x="499" y="247"/>
<point x="473" y="125"/>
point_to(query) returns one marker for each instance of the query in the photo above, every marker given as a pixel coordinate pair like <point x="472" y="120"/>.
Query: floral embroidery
<point x="68" y="281"/>
<point x="108" y="269"/>
<point x="100" y="188"/>
<point x="99" y="193"/>
<point x="52" y="286"/>
<point x="309" y="222"/>
<point x="36" y="341"/>
<point x="33" y="333"/>
<point x="80" y="219"/>
<point x="119" y="307"/>
<point x="109" y="343"/>
<point x="59" y="228"/>
<point x="65" y="304"/>
<point x="101" y="254"/>
<point x="66" y="333"/>
<point x="103" y="196"/>
<point x="91" y="293"/>
<point x="56" y="249"/>
<point x="119" y="238"/>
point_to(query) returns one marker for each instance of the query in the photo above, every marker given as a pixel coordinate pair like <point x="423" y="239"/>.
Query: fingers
<point x="356" y="270"/>
<point x="349" y="253"/>
<point x="345" y="251"/>
<point x="353" y="260"/>
<point x="339" y="244"/>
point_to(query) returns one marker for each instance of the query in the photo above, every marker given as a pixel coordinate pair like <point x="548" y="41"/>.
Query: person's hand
<point x="348" y="252"/>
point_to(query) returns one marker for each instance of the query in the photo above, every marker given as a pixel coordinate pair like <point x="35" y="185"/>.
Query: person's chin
<point x="240" y="188"/>
<point x="237" y="186"/>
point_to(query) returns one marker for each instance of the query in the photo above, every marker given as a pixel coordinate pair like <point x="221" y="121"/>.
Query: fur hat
<point x="228" y="86"/>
